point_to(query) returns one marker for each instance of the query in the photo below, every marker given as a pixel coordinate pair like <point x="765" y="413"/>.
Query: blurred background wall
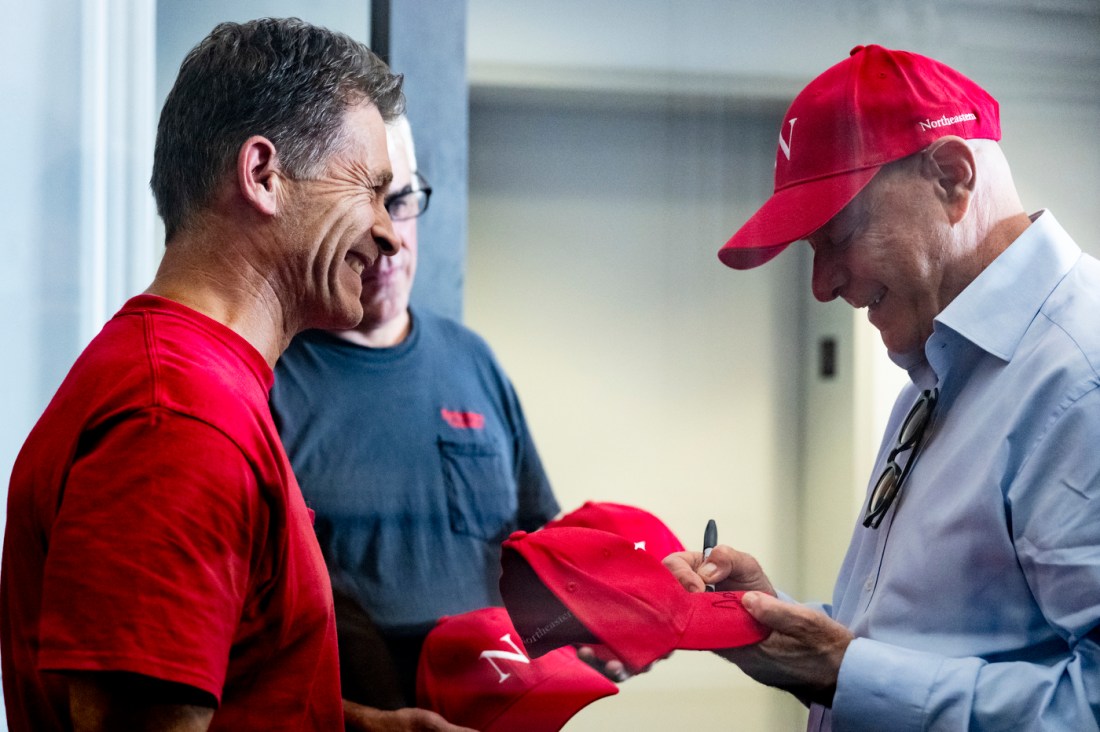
<point x="613" y="147"/>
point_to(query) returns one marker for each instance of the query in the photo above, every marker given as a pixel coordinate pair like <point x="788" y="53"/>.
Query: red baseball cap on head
<point x="641" y="527"/>
<point x="872" y="108"/>
<point x="474" y="673"/>
<point x="571" y="584"/>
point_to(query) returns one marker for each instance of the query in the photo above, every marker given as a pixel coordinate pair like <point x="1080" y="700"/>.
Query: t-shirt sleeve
<point x="152" y="552"/>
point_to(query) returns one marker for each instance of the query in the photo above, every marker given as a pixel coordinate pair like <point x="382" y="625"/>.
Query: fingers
<point x="737" y="571"/>
<point x="726" y="568"/>
<point x="797" y="621"/>
<point x="802" y="655"/>
<point x="771" y="611"/>
<point x="604" y="662"/>
<point x="616" y="671"/>
<point x="359" y="718"/>
<point x="810" y="629"/>
<point x="682" y="566"/>
<point x="422" y="720"/>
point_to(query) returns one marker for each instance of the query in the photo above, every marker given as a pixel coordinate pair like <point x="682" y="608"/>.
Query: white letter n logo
<point x="518" y="656"/>
<point x="785" y="145"/>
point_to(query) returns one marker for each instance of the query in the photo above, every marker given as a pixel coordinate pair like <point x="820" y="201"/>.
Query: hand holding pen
<point x="736" y="571"/>
<point x="710" y="540"/>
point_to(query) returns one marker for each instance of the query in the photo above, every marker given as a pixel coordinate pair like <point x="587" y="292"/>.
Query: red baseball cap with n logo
<point x="872" y="108"/>
<point x="474" y="672"/>
<point x="575" y="585"/>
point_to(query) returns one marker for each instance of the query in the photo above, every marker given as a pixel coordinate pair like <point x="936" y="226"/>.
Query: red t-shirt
<point x="155" y="527"/>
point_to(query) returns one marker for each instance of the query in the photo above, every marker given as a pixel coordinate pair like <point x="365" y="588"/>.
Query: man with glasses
<point x="410" y="445"/>
<point x="970" y="594"/>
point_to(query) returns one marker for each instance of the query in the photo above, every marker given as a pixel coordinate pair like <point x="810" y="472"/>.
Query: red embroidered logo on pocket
<point x="463" y="420"/>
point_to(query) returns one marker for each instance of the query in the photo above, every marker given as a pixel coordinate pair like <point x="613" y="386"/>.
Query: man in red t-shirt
<point x="160" y="569"/>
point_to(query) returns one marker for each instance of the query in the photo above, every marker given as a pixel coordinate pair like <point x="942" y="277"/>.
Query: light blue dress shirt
<point x="976" y="603"/>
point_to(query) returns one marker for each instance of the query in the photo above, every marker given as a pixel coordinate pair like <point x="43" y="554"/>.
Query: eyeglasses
<point x="911" y="437"/>
<point x="410" y="201"/>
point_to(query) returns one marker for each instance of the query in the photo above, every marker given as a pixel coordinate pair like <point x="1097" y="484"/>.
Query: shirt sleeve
<point x="1053" y="511"/>
<point x="152" y="553"/>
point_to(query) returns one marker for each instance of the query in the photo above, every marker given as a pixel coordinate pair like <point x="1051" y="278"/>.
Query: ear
<point x="949" y="162"/>
<point x="259" y="174"/>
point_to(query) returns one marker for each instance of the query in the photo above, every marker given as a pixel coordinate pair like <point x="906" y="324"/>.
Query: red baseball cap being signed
<point x="872" y="108"/>
<point x="641" y="527"/>
<point x="474" y="673"/>
<point x="567" y="585"/>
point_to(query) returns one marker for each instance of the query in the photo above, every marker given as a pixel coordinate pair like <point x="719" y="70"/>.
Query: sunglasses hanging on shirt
<point x="911" y="438"/>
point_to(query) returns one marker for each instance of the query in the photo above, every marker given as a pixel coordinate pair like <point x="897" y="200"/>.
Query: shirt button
<point x="869" y="584"/>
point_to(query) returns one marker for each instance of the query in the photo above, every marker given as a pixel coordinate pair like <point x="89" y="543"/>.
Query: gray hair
<point x="281" y="78"/>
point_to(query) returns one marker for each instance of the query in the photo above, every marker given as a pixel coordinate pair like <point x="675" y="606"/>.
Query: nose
<point x="828" y="276"/>
<point x="385" y="236"/>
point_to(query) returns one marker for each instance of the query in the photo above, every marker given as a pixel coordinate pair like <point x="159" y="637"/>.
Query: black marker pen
<point x="710" y="539"/>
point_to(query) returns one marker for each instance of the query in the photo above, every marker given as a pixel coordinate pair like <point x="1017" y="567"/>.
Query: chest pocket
<point x="481" y="497"/>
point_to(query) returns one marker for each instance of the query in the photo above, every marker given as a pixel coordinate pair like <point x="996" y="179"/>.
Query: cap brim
<point x="548" y="706"/>
<point x="792" y="214"/>
<point x="548" y="618"/>
<point x="718" y="621"/>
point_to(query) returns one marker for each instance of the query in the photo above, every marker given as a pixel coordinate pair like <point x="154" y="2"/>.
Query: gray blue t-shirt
<point x="418" y="463"/>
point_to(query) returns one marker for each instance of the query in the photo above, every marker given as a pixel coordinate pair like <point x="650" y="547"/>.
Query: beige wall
<point x="650" y="373"/>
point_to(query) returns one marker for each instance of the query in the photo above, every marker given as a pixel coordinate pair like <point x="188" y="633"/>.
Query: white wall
<point x="40" y="196"/>
<point x="77" y="218"/>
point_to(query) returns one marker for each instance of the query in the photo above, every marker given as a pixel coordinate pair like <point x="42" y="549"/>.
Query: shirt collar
<point x="994" y="311"/>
